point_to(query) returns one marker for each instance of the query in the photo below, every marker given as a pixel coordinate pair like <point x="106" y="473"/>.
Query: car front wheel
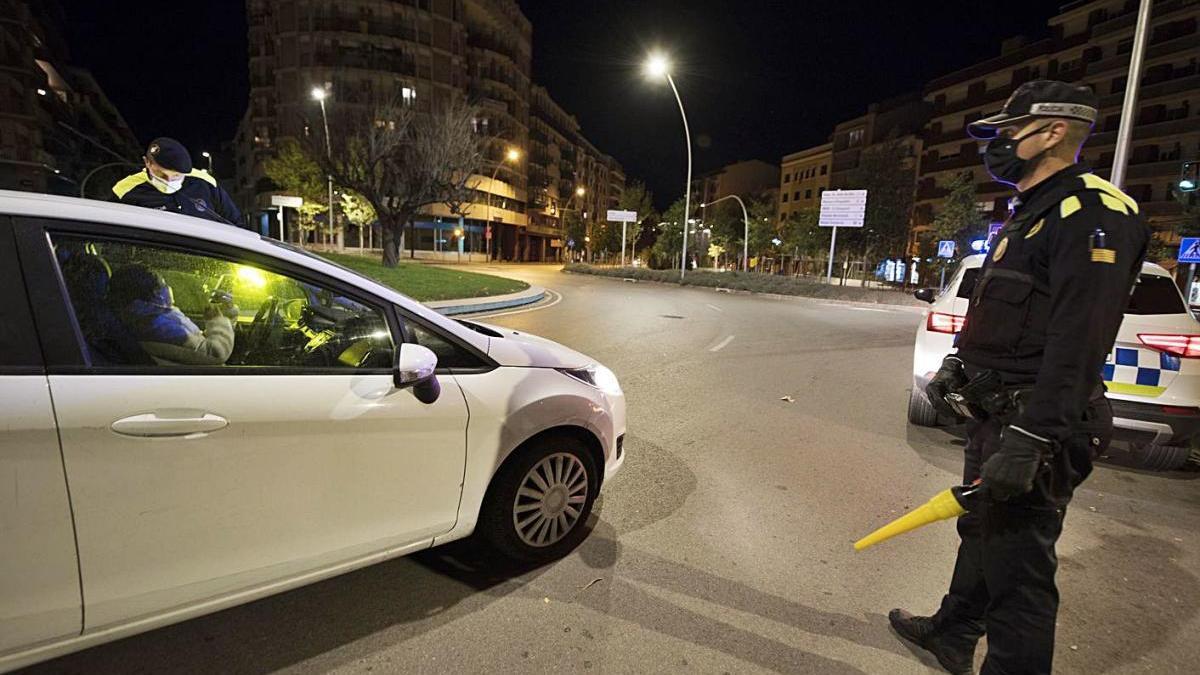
<point x="538" y="504"/>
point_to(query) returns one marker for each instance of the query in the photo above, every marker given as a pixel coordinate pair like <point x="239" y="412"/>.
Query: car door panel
<point x="39" y="571"/>
<point x="310" y="470"/>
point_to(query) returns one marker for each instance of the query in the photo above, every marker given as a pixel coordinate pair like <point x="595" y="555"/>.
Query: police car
<point x="1152" y="373"/>
<point x="195" y="417"/>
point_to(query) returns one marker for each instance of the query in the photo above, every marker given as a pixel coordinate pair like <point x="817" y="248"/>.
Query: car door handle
<point x="169" y="423"/>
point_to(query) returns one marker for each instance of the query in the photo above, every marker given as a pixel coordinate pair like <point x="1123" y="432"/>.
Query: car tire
<point x="920" y="411"/>
<point x="1158" y="457"/>
<point x="549" y="485"/>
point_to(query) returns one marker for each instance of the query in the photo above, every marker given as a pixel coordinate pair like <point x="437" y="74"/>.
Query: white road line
<point x="715" y="308"/>
<point x="722" y="344"/>
<point x="856" y="308"/>
<point x="557" y="299"/>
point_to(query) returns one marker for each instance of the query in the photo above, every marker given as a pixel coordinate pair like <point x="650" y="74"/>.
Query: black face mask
<point x="1002" y="161"/>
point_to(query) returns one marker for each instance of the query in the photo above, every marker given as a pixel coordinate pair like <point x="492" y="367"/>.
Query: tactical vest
<point x="1010" y="304"/>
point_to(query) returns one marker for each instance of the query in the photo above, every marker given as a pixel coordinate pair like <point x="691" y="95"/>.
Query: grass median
<point x="754" y="283"/>
<point x="426" y="283"/>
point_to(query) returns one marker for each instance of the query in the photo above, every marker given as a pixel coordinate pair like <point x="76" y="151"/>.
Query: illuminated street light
<point x="659" y="67"/>
<point x="580" y="191"/>
<point x="511" y="155"/>
<point x="319" y="93"/>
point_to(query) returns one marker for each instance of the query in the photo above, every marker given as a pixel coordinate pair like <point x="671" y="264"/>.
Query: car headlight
<point x="595" y="375"/>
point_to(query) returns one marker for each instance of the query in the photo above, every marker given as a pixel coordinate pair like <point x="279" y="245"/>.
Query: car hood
<point x="513" y="348"/>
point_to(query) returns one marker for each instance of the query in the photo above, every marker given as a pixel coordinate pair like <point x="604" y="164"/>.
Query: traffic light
<point x="1189" y="177"/>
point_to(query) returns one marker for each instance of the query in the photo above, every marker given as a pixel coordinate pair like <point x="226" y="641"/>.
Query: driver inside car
<point x="145" y="302"/>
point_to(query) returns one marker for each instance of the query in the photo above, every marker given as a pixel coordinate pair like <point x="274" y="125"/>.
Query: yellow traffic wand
<point x="946" y="504"/>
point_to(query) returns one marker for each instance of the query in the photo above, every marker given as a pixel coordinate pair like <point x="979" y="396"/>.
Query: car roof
<point x="973" y="261"/>
<point x="36" y="205"/>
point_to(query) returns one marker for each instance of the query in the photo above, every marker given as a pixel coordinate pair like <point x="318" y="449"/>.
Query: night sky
<point x="758" y="78"/>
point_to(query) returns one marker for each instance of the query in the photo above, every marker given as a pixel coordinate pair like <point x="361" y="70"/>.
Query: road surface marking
<point x="715" y="308"/>
<point x="722" y="344"/>
<point x="856" y="308"/>
<point x="557" y="299"/>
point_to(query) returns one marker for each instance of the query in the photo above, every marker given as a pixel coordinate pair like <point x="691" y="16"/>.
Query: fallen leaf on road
<point x="1074" y="648"/>
<point x="789" y="399"/>
<point x="591" y="583"/>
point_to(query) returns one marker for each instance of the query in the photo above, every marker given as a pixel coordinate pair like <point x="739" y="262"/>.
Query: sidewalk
<point x="487" y="304"/>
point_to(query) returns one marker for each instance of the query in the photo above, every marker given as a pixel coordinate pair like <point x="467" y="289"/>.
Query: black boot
<point x="955" y="653"/>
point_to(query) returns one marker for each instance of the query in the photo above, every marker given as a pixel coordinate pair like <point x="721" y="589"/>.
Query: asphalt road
<point x="725" y="543"/>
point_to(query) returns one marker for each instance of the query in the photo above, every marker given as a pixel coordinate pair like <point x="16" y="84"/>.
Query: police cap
<point x="170" y="154"/>
<point x="1040" y="98"/>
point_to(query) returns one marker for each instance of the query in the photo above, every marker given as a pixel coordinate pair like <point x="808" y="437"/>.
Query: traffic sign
<point x="945" y="249"/>
<point x="1189" y="250"/>
<point x="615" y="216"/>
<point x="286" y="200"/>
<point x="843" y="208"/>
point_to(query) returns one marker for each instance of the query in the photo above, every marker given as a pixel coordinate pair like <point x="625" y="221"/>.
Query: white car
<point x="164" y="454"/>
<point x="1152" y="374"/>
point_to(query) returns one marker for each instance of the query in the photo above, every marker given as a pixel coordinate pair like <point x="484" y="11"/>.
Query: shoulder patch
<point x="204" y="176"/>
<point x="129" y="182"/>
<point x="1069" y="206"/>
<point x="1094" y="182"/>
<point x="1114" y="203"/>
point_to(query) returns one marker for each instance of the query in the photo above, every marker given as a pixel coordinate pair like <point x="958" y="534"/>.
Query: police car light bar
<point x="952" y="323"/>
<point x="1187" y="346"/>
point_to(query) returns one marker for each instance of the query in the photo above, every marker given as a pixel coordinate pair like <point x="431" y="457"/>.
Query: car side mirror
<point x="926" y="295"/>
<point x="415" y="369"/>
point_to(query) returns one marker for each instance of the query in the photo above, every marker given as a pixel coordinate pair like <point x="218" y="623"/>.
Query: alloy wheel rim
<point x="550" y="500"/>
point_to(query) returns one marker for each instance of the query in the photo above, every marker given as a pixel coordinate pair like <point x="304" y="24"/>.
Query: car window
<point x="967" y="286"/>
<point x="449" y="354"/>
<point x="139" y="304"/>
<point x="1155" y="294"/>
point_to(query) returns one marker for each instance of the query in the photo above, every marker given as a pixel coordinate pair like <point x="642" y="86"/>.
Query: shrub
<point x="752" y="282"/>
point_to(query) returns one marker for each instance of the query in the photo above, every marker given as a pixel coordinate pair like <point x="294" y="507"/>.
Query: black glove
<point x="949" y="378"/>
<point x="1010" y="472"/>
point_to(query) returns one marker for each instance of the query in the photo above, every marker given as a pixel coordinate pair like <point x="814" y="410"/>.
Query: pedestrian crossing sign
<point x="1189" y="250"/>
<point x="945" y="249"/>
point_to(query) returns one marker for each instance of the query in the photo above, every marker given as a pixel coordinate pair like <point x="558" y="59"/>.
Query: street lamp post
<point x="657" y="66"/>
<point x="320" y="94"/>
<point x="746" y="221"/>
<point x="207" y="155"/>
<point x="511" y="155"/>
<point x="84" y="182"/>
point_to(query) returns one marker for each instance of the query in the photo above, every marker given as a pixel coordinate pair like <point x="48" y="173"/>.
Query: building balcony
<point x="378" y="60"/>
<point x="1153" y="51"/>
<point x="1148" y="92"/>
<point x="1128" y="19"/>
<point x="1146" y="132"/>
<point x="987" y="98"/>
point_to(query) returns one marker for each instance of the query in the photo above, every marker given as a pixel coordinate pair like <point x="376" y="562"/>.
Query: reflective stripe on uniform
<point x="1094" y="182"/>
<point x="204" y="176"/>
<point x="129" y="182"/>
<point x="1114" y="203"/>
<point x="1069" y="205"/>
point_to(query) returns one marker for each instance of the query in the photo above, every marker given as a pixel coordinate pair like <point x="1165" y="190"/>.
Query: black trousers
<point x="1003" y="581"/>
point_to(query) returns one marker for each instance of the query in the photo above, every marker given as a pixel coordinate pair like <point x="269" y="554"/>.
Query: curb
<point x="771" y="296"/>
<point x="486" y="304"/>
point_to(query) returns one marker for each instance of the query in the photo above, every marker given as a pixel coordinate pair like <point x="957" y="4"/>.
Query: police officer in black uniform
<point x="1043" y="317"/>
<point x="170" y="183"/>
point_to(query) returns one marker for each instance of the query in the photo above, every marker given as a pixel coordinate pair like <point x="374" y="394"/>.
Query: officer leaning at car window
<point x="170" y="183"/>
<point x="1043" y="317"/>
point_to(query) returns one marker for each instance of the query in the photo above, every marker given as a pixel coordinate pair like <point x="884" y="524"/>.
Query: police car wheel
<point x="538" y="505"/>
<point x="1158" y="457"/>
<point x="920" y="411"/>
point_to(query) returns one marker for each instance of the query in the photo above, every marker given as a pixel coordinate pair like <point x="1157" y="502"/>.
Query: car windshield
<point x="1155" y="294"/>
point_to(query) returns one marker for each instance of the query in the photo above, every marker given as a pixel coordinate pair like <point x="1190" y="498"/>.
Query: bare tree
<point x="448" y="147"/>
<point x="399" y="160"/>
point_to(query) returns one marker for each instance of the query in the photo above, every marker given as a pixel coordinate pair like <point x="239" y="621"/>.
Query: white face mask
<point x="165" y="186"/>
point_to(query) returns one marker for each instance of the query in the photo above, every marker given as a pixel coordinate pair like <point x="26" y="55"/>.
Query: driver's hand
<point x="228" y="309"/>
